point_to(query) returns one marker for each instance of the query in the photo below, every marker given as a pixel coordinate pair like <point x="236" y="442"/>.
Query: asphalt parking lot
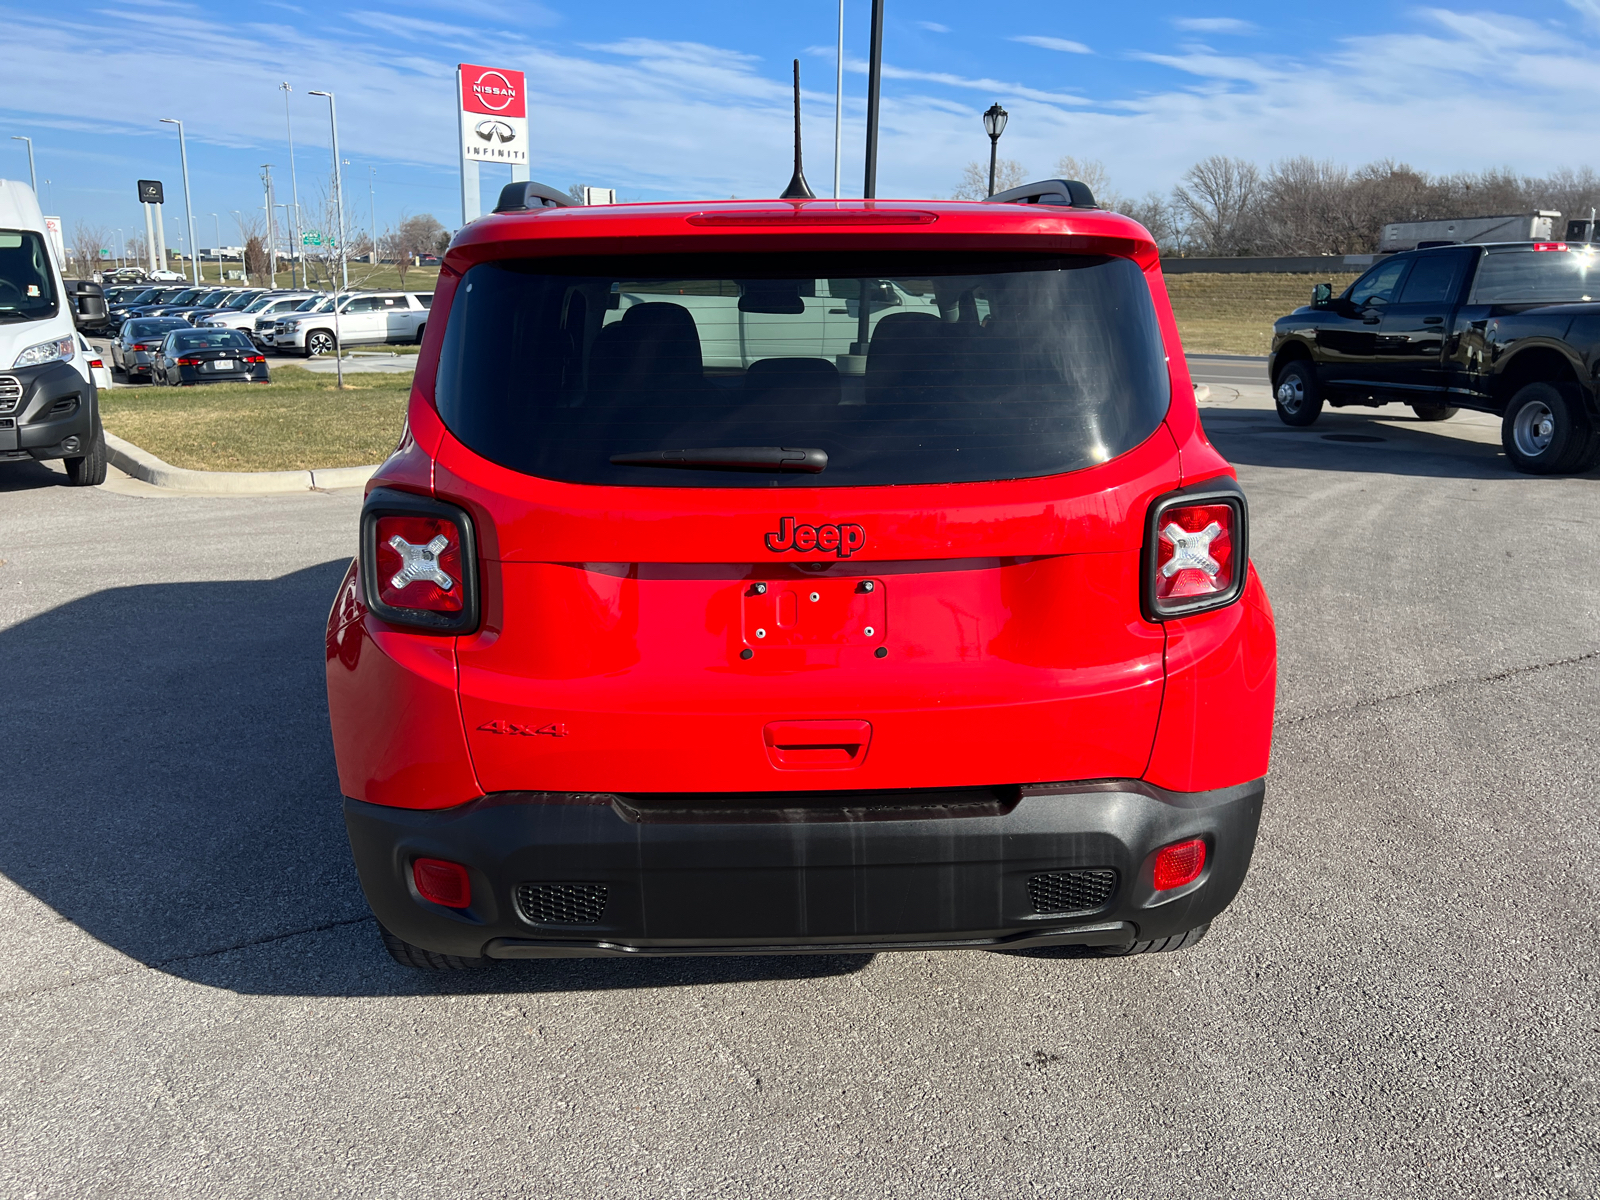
<point x="1401" y="1003"/>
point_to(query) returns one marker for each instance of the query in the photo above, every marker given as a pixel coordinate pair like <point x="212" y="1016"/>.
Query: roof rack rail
<point x="1068" y="192"/>
<point x="519" y="197"/>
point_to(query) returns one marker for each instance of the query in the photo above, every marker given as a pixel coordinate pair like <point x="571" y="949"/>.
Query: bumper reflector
<point x="442" y="882"/>
<point x="1179" y="863"/>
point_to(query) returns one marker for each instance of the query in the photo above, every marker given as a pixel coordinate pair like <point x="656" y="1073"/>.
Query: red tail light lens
<point x="255" y="358"/>
<point x="1195" y="552"/>
<point x="1178" y="864"/>
<point x="147" y="345"/>
<point x="189" y="362"/>
<point x="419" y="563"/>
<point x="445" y="883"/>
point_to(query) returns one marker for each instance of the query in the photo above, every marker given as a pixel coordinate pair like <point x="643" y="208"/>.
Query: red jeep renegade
<point x="801" y="576"/>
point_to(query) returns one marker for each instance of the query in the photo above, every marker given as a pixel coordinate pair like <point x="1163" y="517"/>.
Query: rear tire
<point x="407" y="955"/>
<point x="89" y="470"/>
<point x="1434" y="412"/>
<point x="1178" y="941"/>
<point x="1297" y="394"/>
<point x="1546" y="431"/>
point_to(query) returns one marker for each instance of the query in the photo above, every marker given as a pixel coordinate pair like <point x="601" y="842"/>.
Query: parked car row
<point x="168" y="350"/>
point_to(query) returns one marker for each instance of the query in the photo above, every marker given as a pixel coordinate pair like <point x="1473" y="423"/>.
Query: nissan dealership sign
<point x="494" y="114"/>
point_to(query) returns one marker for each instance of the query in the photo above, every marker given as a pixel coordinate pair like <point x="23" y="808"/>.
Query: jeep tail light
<point x="1175" y="865"/>
<point x="1195" y="551"/>
<point x="418" y="562"/>
<point x="445" y="883"/>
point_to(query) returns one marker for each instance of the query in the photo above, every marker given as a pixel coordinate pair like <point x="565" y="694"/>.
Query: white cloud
<point x="1053" y="43"/>
<point x="1215" y="25"/>
<point x="933" y="27"/>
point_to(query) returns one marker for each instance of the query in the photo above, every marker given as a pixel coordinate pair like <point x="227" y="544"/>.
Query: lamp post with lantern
<point x="994" y="124"/>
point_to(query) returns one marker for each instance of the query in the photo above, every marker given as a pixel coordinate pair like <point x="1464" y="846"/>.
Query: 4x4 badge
<point x="551" y="730"/>
<point x="843" y="540"/>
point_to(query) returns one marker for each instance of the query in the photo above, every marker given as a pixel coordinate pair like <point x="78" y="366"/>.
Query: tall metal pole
<point x="149" y="238"/>
<point x="121" y="245"/>
<point x="216" y="223"/>
<point x="188" y="208"/>
<point x="874" y="79"/>
<point x="33" y="176"/>
<point x="294" y="194"/>
<point x="344" y="265"/>
<point x="372" y="199"/>
<point x="994" y="149"/>
<point x="838" y="106"/>
<point x="272" y="254"/>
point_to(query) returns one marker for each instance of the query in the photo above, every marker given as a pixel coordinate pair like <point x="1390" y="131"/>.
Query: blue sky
<point x="690" y="100"/>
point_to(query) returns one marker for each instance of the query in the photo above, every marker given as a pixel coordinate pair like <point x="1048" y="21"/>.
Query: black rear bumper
<point x="903" y="871"/>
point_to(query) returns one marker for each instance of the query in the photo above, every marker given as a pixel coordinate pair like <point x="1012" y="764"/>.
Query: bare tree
<point x="255" y="259"/>
<point x="1088" y="171"/>
<point x="1216" y="202"/>
<point x="1155" y="213"/>
<point x="83" y="256"/>
<point x="1008" y="173"/>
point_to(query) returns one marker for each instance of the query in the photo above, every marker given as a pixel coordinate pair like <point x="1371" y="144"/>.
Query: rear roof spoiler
<point x="1067" y="192"/>
<point x="520" y="197"/>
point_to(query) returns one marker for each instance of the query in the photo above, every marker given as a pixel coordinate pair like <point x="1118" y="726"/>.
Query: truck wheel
<point x="1434" y="412"/>
<point x="89" y="470"/>
<point x="319" y="342"/>
<point x="407" y="955"/>
<point x="1178" y="941"/>
<point x="1546" y="431"/>
<point x="1298" y="396"/>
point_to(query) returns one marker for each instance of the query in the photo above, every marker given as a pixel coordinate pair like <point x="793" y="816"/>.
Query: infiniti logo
<point x="492" y="129"/>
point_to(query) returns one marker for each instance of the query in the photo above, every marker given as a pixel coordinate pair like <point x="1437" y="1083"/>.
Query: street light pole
<point x="33" y="176"/>
<point x="294" y="193"/>
<point x="874" y="79"/>
<point x="188" y="208"/>
<point x="372" y="200"/>
<point x="344" y="265"/>
<point x="216" y="228"/>
<point x="994" y="124"/>
<point x="272" y="254"/>
<point x="121" y="245"/>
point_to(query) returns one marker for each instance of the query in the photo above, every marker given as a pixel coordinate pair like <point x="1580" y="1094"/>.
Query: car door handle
<point x="838" y="312"/>
<point x="1370" y="320"/>
<point x="1433" y="320"/>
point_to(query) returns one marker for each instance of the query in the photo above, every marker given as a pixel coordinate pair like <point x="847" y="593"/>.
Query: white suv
<point x="247" y="318"/>
<point x="367" y="319"/>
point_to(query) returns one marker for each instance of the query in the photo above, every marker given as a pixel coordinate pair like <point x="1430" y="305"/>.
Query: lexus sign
<point x="494" y="114"/>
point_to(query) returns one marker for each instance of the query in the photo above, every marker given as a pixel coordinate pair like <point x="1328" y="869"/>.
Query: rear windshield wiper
<point x="731" y="458"/>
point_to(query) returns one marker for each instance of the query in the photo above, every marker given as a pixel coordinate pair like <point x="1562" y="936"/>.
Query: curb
<point x="141" y="464"/>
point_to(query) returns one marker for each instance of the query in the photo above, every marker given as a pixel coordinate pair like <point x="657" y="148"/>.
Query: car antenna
<point x="798" y="188"/>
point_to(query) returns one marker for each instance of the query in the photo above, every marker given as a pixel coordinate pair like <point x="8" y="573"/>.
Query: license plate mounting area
<point x="815" y="612"/>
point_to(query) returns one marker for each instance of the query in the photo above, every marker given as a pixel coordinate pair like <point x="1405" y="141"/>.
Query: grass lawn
<point x="299" y="421"/>
<point x="1233" y="314"/>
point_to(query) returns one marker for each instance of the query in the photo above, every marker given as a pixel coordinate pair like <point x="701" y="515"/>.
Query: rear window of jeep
<point x="959" y="368"/>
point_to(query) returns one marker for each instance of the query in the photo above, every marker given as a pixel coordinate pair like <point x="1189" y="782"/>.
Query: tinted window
<point x="1434" y="279"/>
<point x="362" y="304"/>
<point x="210" y="340"/>
<point x="147" y="326"/>
<point x="977" y="367"/>
<point x="26" y="289"/>
<point x="1521" y="276"/>
<point x="1377" y="285"/>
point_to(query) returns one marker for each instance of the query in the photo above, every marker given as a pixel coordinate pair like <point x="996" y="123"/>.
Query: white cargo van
<point x="49" y="407"/>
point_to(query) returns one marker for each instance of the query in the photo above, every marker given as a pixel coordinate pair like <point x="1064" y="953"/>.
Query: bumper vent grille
<point x="64" y="406"/>
<point x="1072" y="891"/>
<point x="562" y="903"/>
<point x="10" y="393"/>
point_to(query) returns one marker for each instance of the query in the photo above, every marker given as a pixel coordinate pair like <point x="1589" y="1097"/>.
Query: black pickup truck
<point x="1510" y="329"/>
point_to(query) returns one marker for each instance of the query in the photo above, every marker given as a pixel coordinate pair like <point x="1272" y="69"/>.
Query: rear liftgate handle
<point x="817" y="745"/>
